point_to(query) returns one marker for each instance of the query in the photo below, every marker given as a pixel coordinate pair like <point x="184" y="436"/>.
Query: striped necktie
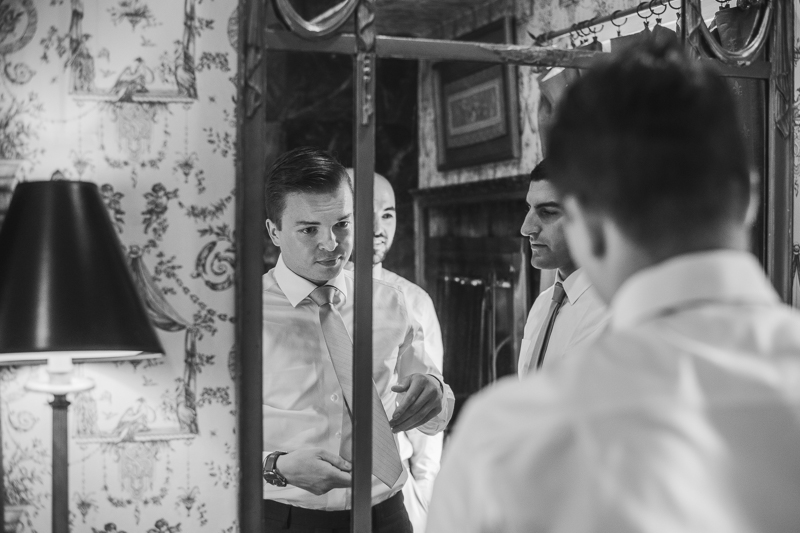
<point x="542" y="341"/>
<point x="386" y="464"/>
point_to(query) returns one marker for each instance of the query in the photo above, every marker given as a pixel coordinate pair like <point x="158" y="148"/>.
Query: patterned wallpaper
<point x="137" y="96"/>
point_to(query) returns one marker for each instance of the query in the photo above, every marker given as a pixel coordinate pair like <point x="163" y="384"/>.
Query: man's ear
<point x="272" y="230"/>
<point x="589" y="225"/>
<point x="754" y="200"/>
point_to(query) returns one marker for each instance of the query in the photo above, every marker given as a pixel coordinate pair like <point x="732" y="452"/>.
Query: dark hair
<point x="541" y="171"/>
<point x="651" y="138"/>
<point x="302" y="170"/>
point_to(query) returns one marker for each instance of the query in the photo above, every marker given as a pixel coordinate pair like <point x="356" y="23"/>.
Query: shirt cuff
<point x="440" y="421"/>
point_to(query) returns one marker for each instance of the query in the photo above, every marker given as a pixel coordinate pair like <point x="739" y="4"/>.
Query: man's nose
<point x="530" y="225"/>
<point x="328" y="241"/>
<point x="376" y="225"/>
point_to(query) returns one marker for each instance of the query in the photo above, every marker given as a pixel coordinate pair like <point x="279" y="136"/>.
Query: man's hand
<point x="315" y="470"/>
<point x="421" y="402"/>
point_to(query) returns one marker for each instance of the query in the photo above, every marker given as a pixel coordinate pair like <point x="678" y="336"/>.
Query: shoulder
<point x="388" y="294"/>
<point x="592" y="303"/>
<point x="411" y="291"/>
<point x="270" y="288"/>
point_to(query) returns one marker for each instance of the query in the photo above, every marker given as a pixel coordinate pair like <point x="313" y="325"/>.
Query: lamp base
<point x="75" y="384"/>
<point x="60" y="379"/>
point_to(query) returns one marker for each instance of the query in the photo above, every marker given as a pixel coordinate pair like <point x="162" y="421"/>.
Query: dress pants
<point x="389" y="516"/>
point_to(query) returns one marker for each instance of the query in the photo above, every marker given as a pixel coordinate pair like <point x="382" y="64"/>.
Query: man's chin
<point x="377" y="257"/>
<point x="543" y="265"/>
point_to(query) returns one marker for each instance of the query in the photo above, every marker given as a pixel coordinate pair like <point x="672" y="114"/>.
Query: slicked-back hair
<point x="652" y="139"/>
<point x="540" y="172"/>
<point x="302" y="170"/>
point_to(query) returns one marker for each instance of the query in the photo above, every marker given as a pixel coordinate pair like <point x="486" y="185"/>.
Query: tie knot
<point x="559" y="293"/>
<point x="323" y="295"/>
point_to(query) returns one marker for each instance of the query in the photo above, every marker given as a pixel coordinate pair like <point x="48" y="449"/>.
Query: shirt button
<point x="338" y="434"/>
<point x="334" y="397"/>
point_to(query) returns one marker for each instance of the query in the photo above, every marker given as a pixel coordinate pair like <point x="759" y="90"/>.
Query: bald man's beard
<point x="379" y="252"/>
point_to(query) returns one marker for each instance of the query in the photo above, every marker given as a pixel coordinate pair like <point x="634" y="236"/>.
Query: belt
<point x="290" y="515"/>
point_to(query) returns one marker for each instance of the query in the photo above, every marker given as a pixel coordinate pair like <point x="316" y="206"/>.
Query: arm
<point x="425" y="462"/>
<point x="426" y="402"/>
<point x="315" y="470"/>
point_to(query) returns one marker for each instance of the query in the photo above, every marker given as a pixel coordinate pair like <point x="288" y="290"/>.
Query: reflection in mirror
<point x="313" y="106"/>
<point x="466" y="224"/>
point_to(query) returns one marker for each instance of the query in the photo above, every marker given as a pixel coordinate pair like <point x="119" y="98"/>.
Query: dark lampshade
<point x="65" y="287"/>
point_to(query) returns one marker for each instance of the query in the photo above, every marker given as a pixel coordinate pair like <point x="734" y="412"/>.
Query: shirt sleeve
<point x="431" y="330"/>
<point x="412" y="359"/>
<point x="425" y="462"/>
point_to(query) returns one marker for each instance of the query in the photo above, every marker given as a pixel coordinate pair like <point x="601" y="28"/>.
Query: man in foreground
<point x="685" y="414"/>
<point x="570" y="313"/>
<point x="308" y="323"/>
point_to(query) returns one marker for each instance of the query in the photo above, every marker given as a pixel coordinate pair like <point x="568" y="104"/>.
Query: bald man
<point x="421" y="454"/>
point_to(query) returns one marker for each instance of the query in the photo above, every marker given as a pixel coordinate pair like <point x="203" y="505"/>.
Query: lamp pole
<point x="60" y="464"/>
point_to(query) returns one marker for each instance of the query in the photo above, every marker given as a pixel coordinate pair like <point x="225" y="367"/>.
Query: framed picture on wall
<point x="477" y="106"/>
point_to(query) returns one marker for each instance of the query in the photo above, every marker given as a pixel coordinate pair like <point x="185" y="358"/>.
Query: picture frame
<point x="477" y="106"/>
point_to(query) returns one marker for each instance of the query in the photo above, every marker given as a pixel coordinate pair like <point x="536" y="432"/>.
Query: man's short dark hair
<point x="540" y="172"/>
<point x="302" y="170"/>
<point x="651" y="138"/>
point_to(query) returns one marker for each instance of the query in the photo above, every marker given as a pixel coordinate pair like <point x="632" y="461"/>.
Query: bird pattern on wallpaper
<point x="108" y="91"/>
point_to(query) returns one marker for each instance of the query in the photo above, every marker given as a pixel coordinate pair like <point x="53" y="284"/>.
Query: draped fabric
<point x="164" y="316"/>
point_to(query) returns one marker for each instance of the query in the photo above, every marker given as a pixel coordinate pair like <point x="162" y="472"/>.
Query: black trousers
<point x="389" y="516"/>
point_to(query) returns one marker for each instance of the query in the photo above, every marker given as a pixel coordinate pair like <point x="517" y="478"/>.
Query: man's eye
<point x="344" y="224"/>
<point x="308" y="231"/>
<point x="387" y="216"/>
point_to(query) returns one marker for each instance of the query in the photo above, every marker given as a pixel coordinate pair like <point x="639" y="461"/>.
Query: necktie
<point x="540" y="348"/>
<point x="386" y="464"/>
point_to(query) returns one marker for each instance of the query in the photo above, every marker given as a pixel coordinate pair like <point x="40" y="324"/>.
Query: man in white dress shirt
<point x="685" y="414"/>
<point x="308" y="321"/>
<point x="421" y="454"/>
<point x="555" y="328"/>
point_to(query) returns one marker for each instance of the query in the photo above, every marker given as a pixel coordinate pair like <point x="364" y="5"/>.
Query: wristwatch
<point x="271" y="473"/>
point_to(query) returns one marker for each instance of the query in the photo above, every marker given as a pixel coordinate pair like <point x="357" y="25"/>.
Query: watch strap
<point x="270" y="471"/>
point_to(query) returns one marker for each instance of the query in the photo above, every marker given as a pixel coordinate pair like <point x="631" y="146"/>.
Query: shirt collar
<point x="716" y="276"/>
<point x="297" y="288"/>
<point x="575" y="285"/>
<point x="377" y="271"/>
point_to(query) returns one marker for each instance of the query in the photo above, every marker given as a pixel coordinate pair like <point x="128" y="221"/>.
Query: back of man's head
<point x="541" y="171"/>
<point x="302" y="170"/>
<point x="651" y="139"/>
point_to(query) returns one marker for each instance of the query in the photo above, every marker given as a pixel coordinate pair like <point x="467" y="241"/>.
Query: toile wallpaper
<point x="139" y="97"/>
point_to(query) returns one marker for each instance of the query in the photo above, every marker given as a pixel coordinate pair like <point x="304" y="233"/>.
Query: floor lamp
<point x="66" y="295"/>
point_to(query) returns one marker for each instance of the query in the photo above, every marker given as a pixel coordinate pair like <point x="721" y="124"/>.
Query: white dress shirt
<point x="581" y="319"/>
<point x="421" y="453"/>
<point x="302" y="399"/>
<point x="683" y="417"/>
